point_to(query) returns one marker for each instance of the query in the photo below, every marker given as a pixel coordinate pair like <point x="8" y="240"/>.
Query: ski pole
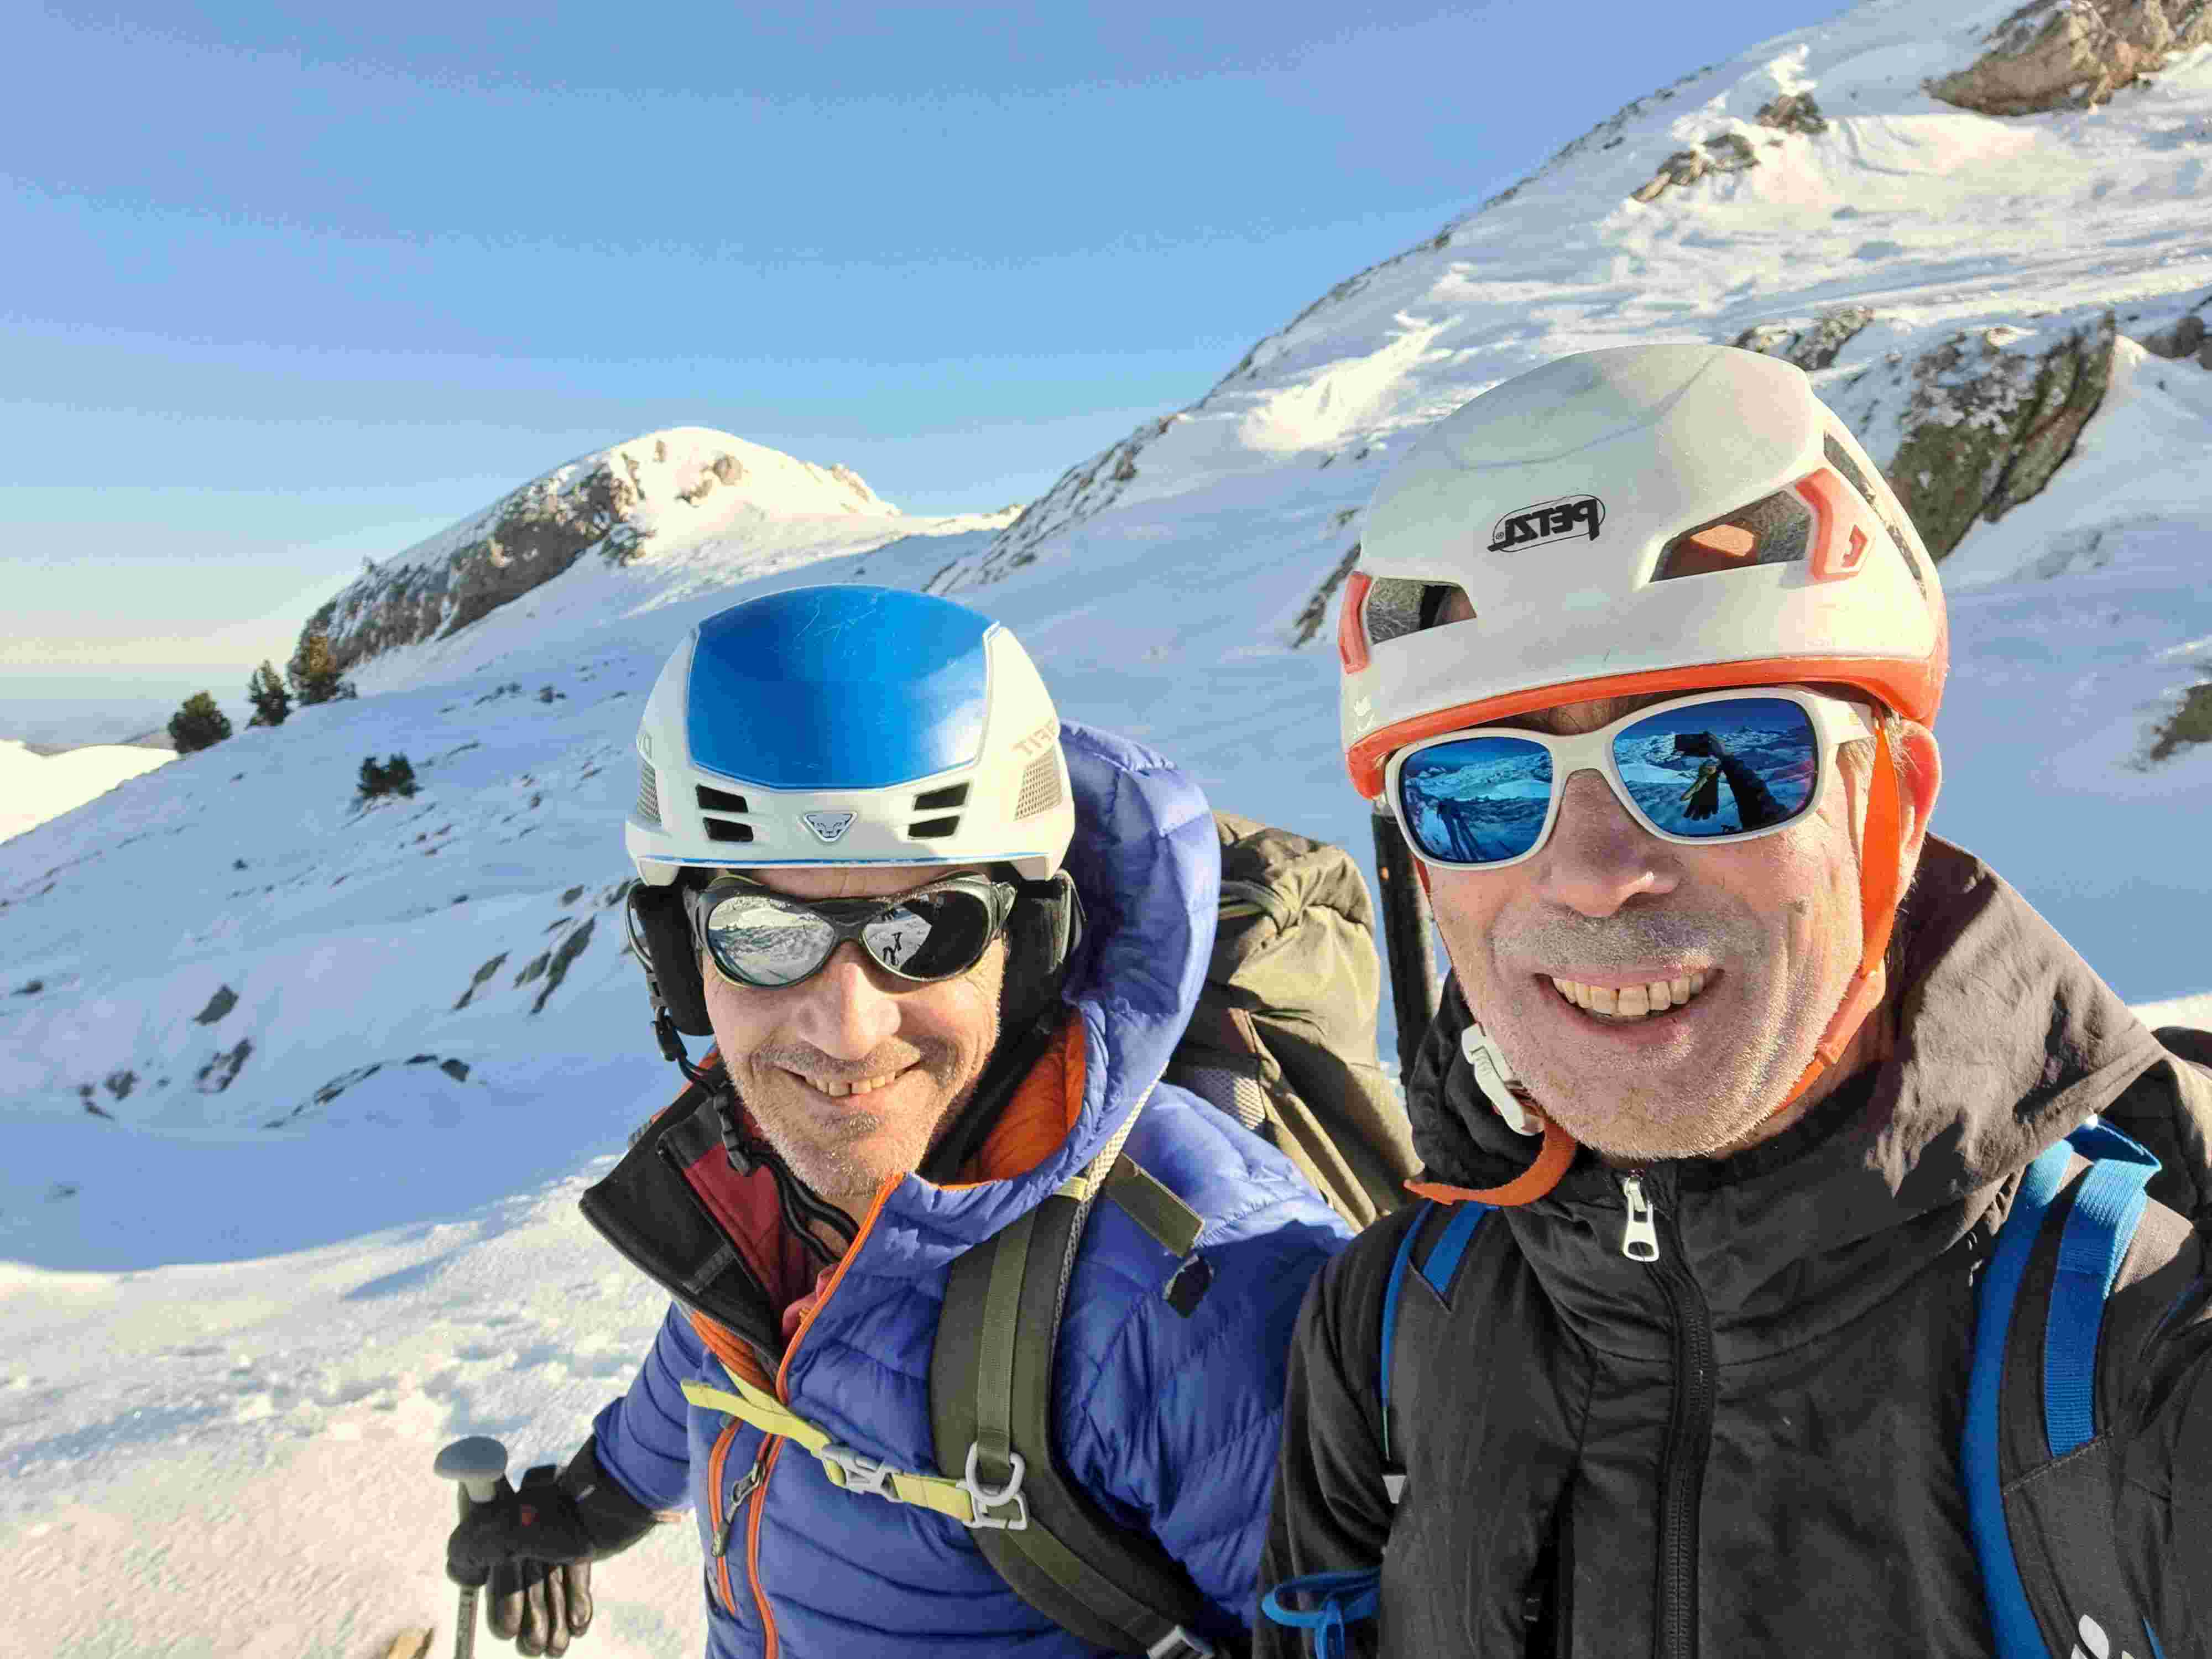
<point x="478" y="1463"/>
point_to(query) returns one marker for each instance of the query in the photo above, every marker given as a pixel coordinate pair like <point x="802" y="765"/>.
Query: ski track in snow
<point x="300" y="1096"/>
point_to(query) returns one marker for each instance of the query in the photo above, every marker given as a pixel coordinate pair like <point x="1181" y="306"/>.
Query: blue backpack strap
<point x="1437" y="1268"/>
<point x="2105" y="1212"/>
<point x="1345" y="1598"/>
<point x="2095" y="1243"/>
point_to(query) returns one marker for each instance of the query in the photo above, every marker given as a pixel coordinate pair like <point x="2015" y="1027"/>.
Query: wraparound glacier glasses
<point x="1719" y="766"/>
<point x="757" y="937"/>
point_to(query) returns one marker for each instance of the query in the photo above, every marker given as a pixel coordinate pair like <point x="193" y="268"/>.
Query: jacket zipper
<point x="772" y="1445"/>
<point x="1689" y="1435"/>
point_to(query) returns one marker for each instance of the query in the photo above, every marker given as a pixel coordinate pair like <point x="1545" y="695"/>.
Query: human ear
<point x="1923" y="765"/>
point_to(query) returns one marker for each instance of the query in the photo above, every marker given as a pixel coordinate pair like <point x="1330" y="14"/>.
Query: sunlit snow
<point x="299" y="1095"/>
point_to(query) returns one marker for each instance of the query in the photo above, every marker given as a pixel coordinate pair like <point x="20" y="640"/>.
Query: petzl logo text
<point x="1547" y="521"/>
<point x="827" y="826"/>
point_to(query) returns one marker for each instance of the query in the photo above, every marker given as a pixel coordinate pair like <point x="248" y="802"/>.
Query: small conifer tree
<point x="272" y="702"/>
<point x="313" y="671"/>
<point x="198" y="723"/>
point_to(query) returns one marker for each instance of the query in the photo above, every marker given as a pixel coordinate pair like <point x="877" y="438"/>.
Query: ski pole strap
<point x="1340" y="1599"/>
<point x="964" y="1500"/>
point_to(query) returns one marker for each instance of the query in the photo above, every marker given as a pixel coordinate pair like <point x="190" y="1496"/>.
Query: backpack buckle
<point x="862" y="1474"/>
<point x="985" y="1500"/>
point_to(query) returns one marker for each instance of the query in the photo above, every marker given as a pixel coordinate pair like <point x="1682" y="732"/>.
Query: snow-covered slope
<point x="36" y="787"/>
<point x="298" y="1097"/>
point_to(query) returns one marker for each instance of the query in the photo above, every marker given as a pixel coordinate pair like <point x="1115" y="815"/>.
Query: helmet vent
<point x="723" y="829"/>
<point x="934" y="828"/>
<point x="1040" y="791"/>
<point x="1775" y="529"/>
<point x="936" y="800"/>
<point x="717" y="800"/>
<point x="1394" y="608"/>
<point x="1840" y="458"/>
<point x="648" y="795"/>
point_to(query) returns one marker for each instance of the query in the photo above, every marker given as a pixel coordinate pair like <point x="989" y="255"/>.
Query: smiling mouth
<point x="1631" y="1002"/>
<point x="838" y="1090"/>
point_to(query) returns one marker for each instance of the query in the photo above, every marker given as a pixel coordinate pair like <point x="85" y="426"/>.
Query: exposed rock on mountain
<point x="1978" y="422"/>
<point x="1810" y="343"/>
<point x="2050" y="54"/>
<point x="1725" y="152"/>
<point x="2185" y="337"/>
<point x="613" y="504"/>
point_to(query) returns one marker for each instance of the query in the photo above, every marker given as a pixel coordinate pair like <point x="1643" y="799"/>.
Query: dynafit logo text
<point x="1547" y="522"/>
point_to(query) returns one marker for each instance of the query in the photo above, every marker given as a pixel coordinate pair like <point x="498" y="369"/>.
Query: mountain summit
<point x="637" y="503"/>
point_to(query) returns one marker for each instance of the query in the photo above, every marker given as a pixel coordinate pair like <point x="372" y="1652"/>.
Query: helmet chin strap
<point x="1877" y="896"/>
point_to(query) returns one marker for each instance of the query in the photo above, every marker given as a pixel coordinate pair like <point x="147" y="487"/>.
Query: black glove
<point x="536" y="1545"/>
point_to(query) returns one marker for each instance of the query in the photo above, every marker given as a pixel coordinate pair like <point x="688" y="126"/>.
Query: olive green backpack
<point x="1284" y="1040"/>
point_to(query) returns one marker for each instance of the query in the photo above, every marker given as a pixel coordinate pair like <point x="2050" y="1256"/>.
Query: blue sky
<point x="305" y="283"/>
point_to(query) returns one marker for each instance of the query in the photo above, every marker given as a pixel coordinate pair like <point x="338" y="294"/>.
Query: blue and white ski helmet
<point x="848" y="725"/>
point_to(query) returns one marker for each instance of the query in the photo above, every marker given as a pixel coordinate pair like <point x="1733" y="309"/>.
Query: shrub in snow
<point x="199" y="725"/>
<point x="393" y="776"/>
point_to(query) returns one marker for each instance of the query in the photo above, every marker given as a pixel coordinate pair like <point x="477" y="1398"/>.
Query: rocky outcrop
<point x="1811" y="343"/>
<point x="2055" y="54"/>
<point x="1794" y="112"/>
<point x="609" y="505"/>
<point x="524" y="542"/>
<point x="1983" y="419"/>
<point x="1731" y="152"/>
<point x="2185" y="337"/>
<point x="1727" y="152"/>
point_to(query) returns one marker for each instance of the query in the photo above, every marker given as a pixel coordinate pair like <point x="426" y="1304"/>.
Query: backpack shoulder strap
<point x="1325" y="1605"/>
<point x="991" y="1410"/>
<point x="1431" y="1251"/>
<point x="2032" y="1404"/>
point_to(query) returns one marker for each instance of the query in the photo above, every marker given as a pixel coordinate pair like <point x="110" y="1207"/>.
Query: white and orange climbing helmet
<point x="1637" y="520"/>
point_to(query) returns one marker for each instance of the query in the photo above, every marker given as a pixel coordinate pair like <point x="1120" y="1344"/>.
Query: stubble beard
<point x="1695" y="1111"/>
<point x="847" y="1160"/>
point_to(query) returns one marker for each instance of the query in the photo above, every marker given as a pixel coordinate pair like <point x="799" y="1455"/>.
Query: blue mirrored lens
<point x="1720" y="768"/>
<point x="1475" y="800"/>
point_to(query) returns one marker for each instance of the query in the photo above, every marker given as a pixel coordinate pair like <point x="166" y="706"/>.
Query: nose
<point x="847" y="1014"/>
<point x="1599" y="857"/>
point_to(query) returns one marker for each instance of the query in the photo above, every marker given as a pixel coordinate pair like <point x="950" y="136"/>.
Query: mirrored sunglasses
<point x="760" y="938"/>
<point x="1721" y="766"/>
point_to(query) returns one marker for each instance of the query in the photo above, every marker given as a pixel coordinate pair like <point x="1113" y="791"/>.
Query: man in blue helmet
<point x="946" y="946"/>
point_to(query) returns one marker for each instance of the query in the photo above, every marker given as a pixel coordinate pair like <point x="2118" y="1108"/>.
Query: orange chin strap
<point x="1877" y="896"/>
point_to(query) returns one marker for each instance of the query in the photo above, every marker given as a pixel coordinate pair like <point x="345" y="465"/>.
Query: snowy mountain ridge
<point x="1811" y="172"/>
<point x="664" y="512"/>
<point x="299" y="1092"/>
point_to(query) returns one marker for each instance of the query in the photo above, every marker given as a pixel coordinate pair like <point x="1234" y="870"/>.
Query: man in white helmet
<point x="946" y="946"/>
<point x="1714" y="1337"/>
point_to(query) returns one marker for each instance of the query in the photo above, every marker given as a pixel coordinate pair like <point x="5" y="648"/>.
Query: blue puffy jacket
<point x="1169" y="1422"/>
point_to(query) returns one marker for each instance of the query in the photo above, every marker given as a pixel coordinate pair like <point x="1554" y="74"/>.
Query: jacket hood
<point x="2007" y="1042"/>
<point x="1146" y="862"/>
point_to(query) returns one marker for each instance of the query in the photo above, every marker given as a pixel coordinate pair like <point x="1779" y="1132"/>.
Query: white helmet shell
<point x="1642" y="518"/>
<point x="849" y="725"/>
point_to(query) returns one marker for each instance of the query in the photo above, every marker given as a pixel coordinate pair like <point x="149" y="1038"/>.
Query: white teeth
<point x="839" y="1091"/>
<point x="1631" y="1001"/>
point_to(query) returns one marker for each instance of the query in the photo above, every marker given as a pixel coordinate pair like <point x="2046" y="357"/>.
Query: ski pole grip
<point x="479" y="1462"/>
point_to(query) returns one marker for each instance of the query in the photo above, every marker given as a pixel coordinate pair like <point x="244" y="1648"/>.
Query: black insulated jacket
<point x="1751" y="1446"/>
